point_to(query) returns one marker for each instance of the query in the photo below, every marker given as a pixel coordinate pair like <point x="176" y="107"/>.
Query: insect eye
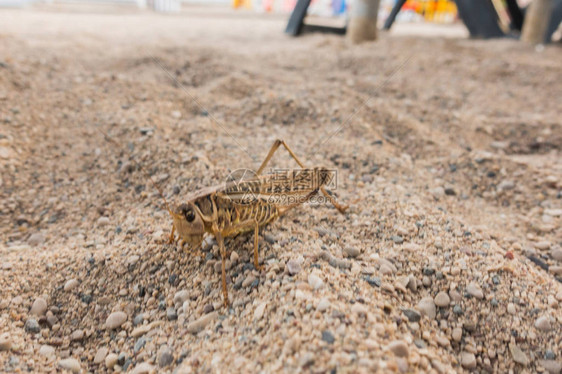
<point x="189" y="215"/>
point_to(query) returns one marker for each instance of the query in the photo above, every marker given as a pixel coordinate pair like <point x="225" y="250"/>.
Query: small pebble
<point x="542" y="246"/>
<point x="352" y="251"/>
<point x="397" y="239"/>
<point x="111" y="360"/>
<point x="511" y="308"/>
<point x="165" y="357"/>
<point x="138" y="320"/>
<point x="442" y="300"/>
<point x="77" y="335"/>
<point x="518" y="355"/>
<point x="36" y="239"/>
<point x="140" y="330"/>
<point x="328" y="337"/>
<point x="457" y="334"/>
<point x="32" y="326"/>
<point x="139" y="344"/>
<point x="46" y="350"/>
<point x="293" y="267"/>
<point x="474" y="290"/>
<point x="543" y="323"/>
<point x="426" y="306"/>
<point x="100" y="355"/>
<point x="199" y="324"/>
<point x="399" y="348"/>
<point x="39" y="307"/>
<point x="315" y="281"/>
<point x="115" y="320"/>
<point x="260" y="310"/>
<point x="71" y="364"/>
<point x="5" y="342"/>
<point x="468" y="360"/>
<point x="551" y="366"/>
<point x="180" y="297"/>
<point x="71" y="284"/>
<point x="557" y="254"/>
<point x="412" y="315"/>
<point x="323" y="305"/>
<point x="171" y="313"/>
<point x="142" y="368"/>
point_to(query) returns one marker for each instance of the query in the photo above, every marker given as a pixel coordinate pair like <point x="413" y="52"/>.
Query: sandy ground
<point x="447" y="150"/>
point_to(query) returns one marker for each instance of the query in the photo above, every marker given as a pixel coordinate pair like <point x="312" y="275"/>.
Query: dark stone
<point x="450" y="192"/>
<point x="86" y="298"/>
<point x="127" y="363"/>
<point x="419" y="343"/>
<point x="496" y="280"/>
<point x="413" y="315"/>
<point x="549" y="355"/>
<point x="373" y="281"/>
<point x="540" y="263"/>
<point x="121" y="359"/>
<point x="457" y="310"/>
<point x="173" y="279"/>
<point x="328" y="337"/>
<point x="32" y="326"/>
<point x="428" y="271"/>
<point x="208" y="308"/>
<point x="171" y="314"/>
<point x="138" y="320"/>
<point x="165" y="358"/>
<point x="139" y="344"/>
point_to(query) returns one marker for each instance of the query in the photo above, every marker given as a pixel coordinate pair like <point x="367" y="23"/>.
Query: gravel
<point x="447" y="259"/>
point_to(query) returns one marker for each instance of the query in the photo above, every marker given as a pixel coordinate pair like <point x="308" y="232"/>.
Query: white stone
<point x="180" y="297"/>
<point x="543" y="323"/>
<point x="260" y="310"/>
<point x="426" y="306"/>
<point x="71" y="364"/>
<point x="71" y="284"/>
<point x="468" y="360"/>
<point x="100" y="355"/>
<point x="323" y="305"/>
<point x="442" y="299"/>
<point x="46" y="350"/>
<point x="39" y="307"/>
<point x="399" y="348"/>
<point x="111" y="360"/>
<point x="115" y="320"/>
<point x="199" y="324"/>
<point x="315" y="281"/>
<point x="474" y="290"/>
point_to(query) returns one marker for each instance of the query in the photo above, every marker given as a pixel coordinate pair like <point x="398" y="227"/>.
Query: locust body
<point x="243" y="206"/>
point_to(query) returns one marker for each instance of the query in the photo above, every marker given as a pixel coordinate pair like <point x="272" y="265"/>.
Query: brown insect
<point x="243" y="206"/>
<point x="238" y="207"/>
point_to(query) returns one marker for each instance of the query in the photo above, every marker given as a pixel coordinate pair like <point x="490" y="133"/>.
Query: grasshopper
<point x="230" y="209"/>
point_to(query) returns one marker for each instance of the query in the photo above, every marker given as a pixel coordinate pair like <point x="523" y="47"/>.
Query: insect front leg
<point x="171" y="241"/>
<point x="256" y="237"/>
<point x="220" y="241"/>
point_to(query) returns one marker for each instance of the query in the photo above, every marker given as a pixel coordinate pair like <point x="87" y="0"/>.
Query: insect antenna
<point x="138" y="165"/>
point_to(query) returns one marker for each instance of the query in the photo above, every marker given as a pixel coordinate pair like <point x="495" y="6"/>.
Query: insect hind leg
<point x="340" y="207"/>
<point x="272" y="151"/>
